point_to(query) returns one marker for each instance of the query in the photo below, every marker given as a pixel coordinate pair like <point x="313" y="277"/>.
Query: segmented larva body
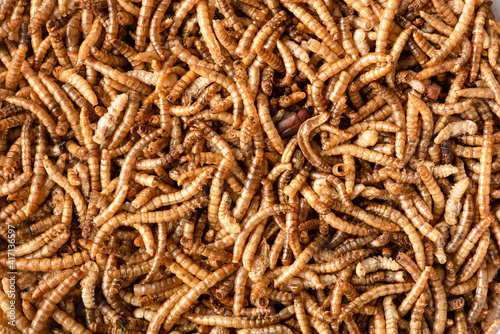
<point x="485" y="170"/>
<point x="376" y="263"/>
<point x="49" y="303"/>
<point x="454" y="202"/>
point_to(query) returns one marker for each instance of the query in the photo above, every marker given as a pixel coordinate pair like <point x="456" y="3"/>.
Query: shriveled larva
<point x="341" y="190"/>
<point x="391" y="315"/>
<point x="239" y="289"/>
<point x="366" y="109"/>
<point x="337" y="293"/>
<point x="340" y="87"/>
<point x="418" y="313"/>
<point x="38" y="227"/>
<point x="38" y="173"/>
<point x="112" y="208"/>
<point x="347" y="38"/>
<point x="201" y="249"/>
<point x="396" y="53"/>
<point x="58" y="44"/>
<point x="267" y="80"/>
<point x="105" y="169"/>
<point x="14" y="71"/>
<point x="225" y="39"/>
<point x="398" y="115"/>
<point x="453" y="203"/>
<point x="366" y="154"/>
<point x="374" y="293"/>
<point x="489" y="78"/>
<point x="253" y="12"/>
<point x="362" y="8"/>
<point x="251" y="223"/>
<point x="20" y="322"/>
<point x="273" y="329"/>
<point x="88" y="284"/>
<point x="493" y="326"/>
<point x="340" y="263"/>
<point x="266" y="121"/>
<point x="114" y="74"/>
<point x="40" y="16"/>
<point x="373" y="264"/>
<point x="129" y="53"/>
<point x="58" y="178"/>
<point x="320" y="49"/>
<point x="371" y="76"/>
<point x="473" y="264"/>
<point x="51" y="282"/>
<point x="244" y="45"/>
<point x="364" y="216"/>
<point x="179" y="272"/>
<point x="483" y="196"/>
<point x="455" y="129"/>
<point x="65" y="103"/>
<point x="231" y="322"/>
<point x="367" y="138"/>
<point x="208" y="34"/>
<point x="463" y="288"/>
<point x="289" y="64"/>
<point x="463" y="225"/>
<point x="458" y="31"/>
<point x="423" y="44"/>
<point x="346" y="247"/>
<point x="444" y="171"/>
<point x="41" y="114"/>
<point x="300" y="262"/>
<point x="249" y="254"/>
<point x="421" y="206"/>
<point x="325" y="72"/>
<point x="39" y="241"/>
<point x="72" y="78"/>
<point x="471" y="239"/>
<point x="329" y="217"/>
<point x="191" y="295"/>
<point x="445" y="12"/>
<point x="432" y="186"/>
<point x="127" y="121"/>
<point x="129" y="162"/>
<point x="480" y="296"/>
<point x="26" y="144"/>
<point x="478" y="40"/>
<point x="311" y="23"/>
<point x="297" y="51"/>
<point x="414" y="293"/>
<point x="154" y="31"/>
<point x="50" y="264"/>
<point x="418" y="220"/>
<point x="385" y="23"/>
<point x="266" y="30"/>
<point x="8" y="188"/>
<point x="107" y="123"/>
<point x="360" y="41"/>
<point x="493" y="49"/>
<point x="301" y="316"/>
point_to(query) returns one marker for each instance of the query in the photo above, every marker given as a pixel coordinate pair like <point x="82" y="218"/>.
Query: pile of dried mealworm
<point x="250" y="166"/>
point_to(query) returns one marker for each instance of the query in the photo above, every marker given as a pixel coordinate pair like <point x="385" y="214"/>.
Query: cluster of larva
<point x="249" y="166"/>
